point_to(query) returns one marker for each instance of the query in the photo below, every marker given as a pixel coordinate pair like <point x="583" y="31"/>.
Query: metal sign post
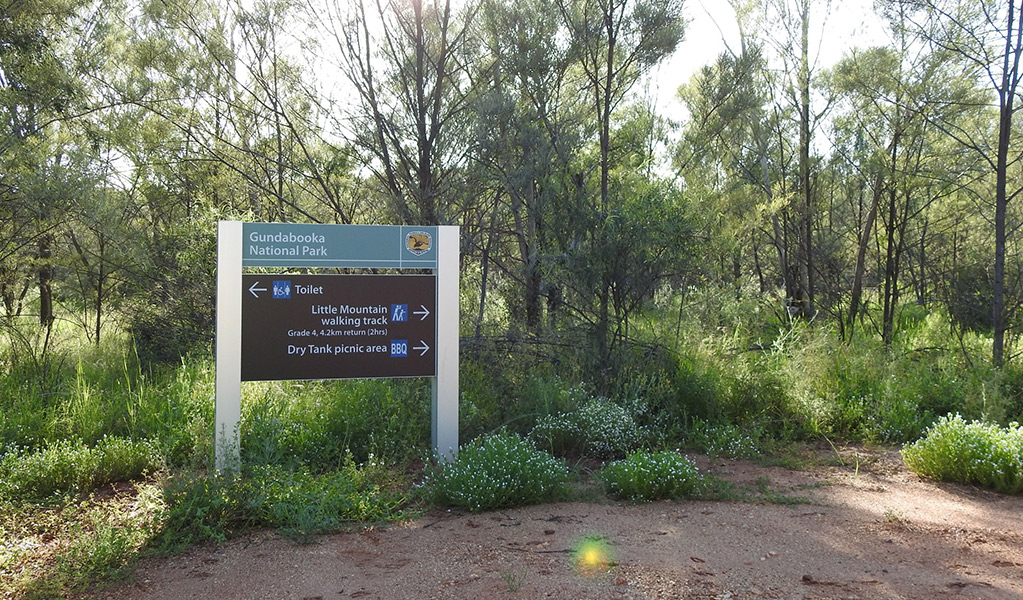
<point x="289" y="326"/>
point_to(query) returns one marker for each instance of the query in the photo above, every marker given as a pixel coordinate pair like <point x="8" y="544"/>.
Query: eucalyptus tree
<point x="787" y="28"/>
<point x="48" y="49"/>
<point x="986" y="37"/>
<point x="892" y="97"/>
<point x="731" y="155"/>
<point x="615" y="42"/>
<point x="527" y="133"/>
<point x="228" y="80"/>
<point x="411" y="72"/>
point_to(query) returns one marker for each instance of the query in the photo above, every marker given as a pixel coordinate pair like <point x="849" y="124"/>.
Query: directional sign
<point x="337" y="326"/>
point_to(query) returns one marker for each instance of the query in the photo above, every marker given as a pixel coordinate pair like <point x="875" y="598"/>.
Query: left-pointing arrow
<point x="424" y="348"/>
<point x="255" y="289"/>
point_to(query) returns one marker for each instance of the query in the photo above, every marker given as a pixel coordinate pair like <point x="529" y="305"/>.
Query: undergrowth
<point x="646" y="476"/>
<point x="497" y="471"/>
<point x="726" y="378"/>
<point x="970" y="452"/>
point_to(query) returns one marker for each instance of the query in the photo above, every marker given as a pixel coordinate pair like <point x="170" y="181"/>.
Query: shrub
<point x="298" y="502"/>
<point x="724" y="439"/>
<point x="974" y="452"/>
<point x="496" y="471"/>
<point x="70" y="467"/>
<point x="599" y="428"/>
<point x="201" y="508"/>
<point x="645" y="476"/>
<point x="302" y="504"/>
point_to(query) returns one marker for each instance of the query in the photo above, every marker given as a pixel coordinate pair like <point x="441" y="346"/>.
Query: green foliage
<point x="318" y="423"/>
<point x="497" y="471"/>
<point x="725" y="439"/>
<point x="645" y="476"/>
<point x="89" y="391"/>
<point x="54" y="551"/>
<point x="166" y="327"/>
<point x="483" y="393"/>
<point x="513" y="389"/>
<point x="103" y="545"/>
<point x="970" y="452"/>
<point x="68" y="467"/>
<point x="697" y="392"/>
<point x="599" y="428"/>
<point x="1011" y="389"/>
<point x="301" y="504"/>
<point x="201" y="508"/>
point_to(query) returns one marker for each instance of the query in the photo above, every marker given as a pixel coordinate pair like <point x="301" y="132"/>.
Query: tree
<point x="728" y="156"/>
<point x="527" y="133"/>
<point x="412" y="81"/>
<point x="987" y="37"/>
<point x="47" y="49"/>
<point x="614" y="41"/>
<point x="792" y="20"/>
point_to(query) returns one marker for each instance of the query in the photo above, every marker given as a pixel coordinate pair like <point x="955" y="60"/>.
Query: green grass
<point x="52" y="551"/>
<point x="68" y="468"/>
<point x="299" y="503"/>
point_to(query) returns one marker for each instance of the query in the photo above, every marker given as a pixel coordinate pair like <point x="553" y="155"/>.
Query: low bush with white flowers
<point x="495" y="471"/>
<point x="645" y="476"/>
<point x="970" y="452"/>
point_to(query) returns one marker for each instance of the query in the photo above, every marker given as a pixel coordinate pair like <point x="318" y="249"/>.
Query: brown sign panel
<point x="338" y="326"/>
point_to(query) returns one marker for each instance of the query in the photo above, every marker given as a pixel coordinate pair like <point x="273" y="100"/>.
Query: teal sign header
<point x="333" y="246"/>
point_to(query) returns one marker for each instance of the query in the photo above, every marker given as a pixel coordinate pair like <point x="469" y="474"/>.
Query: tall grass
<point x="84" y="392"/>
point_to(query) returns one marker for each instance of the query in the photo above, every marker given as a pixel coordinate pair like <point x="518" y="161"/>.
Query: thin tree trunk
<point x="861" y="253"/>
<point x="1010" y="81"/>
<point x="45" y="274"/>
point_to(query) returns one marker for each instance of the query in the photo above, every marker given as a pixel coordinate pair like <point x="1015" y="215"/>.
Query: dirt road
<point x="863" y="529"/>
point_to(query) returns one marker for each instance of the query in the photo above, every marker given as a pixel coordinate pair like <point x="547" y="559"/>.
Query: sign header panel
<point x="333" y="246"/>
<point x="338" y="326"/>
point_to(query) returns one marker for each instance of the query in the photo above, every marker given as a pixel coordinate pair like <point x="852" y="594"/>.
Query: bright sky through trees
<point x="850" y="23"/>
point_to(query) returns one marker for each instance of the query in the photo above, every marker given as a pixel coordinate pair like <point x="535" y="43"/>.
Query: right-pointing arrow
<point x="255" y="289"/>
<point x="424" y="348"/>
<point x="425" y="313"/>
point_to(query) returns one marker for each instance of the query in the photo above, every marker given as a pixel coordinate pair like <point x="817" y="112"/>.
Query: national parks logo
<point x="418" y="242"/>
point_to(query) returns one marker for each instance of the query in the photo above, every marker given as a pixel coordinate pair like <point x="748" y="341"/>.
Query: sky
<point x="849" y="23"/>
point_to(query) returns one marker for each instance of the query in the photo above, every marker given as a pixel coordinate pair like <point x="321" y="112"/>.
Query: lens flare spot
<point x="593" y="555"/>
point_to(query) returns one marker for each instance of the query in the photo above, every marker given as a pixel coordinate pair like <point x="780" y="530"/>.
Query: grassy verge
<point x="103" y="460"/>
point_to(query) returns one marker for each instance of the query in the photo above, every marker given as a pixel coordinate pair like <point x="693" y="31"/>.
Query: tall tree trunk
<point x="861" y="252"/>
<point x="45" y="273"/>
<point x="1007" y="91"/>
<point x="891" y="272"/>
<point x="100" y="280"/>
<point x="805" y="234"/>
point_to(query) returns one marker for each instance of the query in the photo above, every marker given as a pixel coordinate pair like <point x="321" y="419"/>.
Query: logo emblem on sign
<point x="418" y="242"/>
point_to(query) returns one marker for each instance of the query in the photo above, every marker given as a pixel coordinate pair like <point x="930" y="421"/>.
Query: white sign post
<point x="444" y="429"/>
<point x="242" y="245"/>
<point x="228" y="405"/>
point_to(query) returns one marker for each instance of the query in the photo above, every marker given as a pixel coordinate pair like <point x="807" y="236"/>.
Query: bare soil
<point x="861" y="527"/>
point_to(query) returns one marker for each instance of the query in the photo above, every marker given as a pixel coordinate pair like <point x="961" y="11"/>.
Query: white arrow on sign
<point x="425" y="312"/>
<point x="255" y="289"/>
<point x="424" y="348"/>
